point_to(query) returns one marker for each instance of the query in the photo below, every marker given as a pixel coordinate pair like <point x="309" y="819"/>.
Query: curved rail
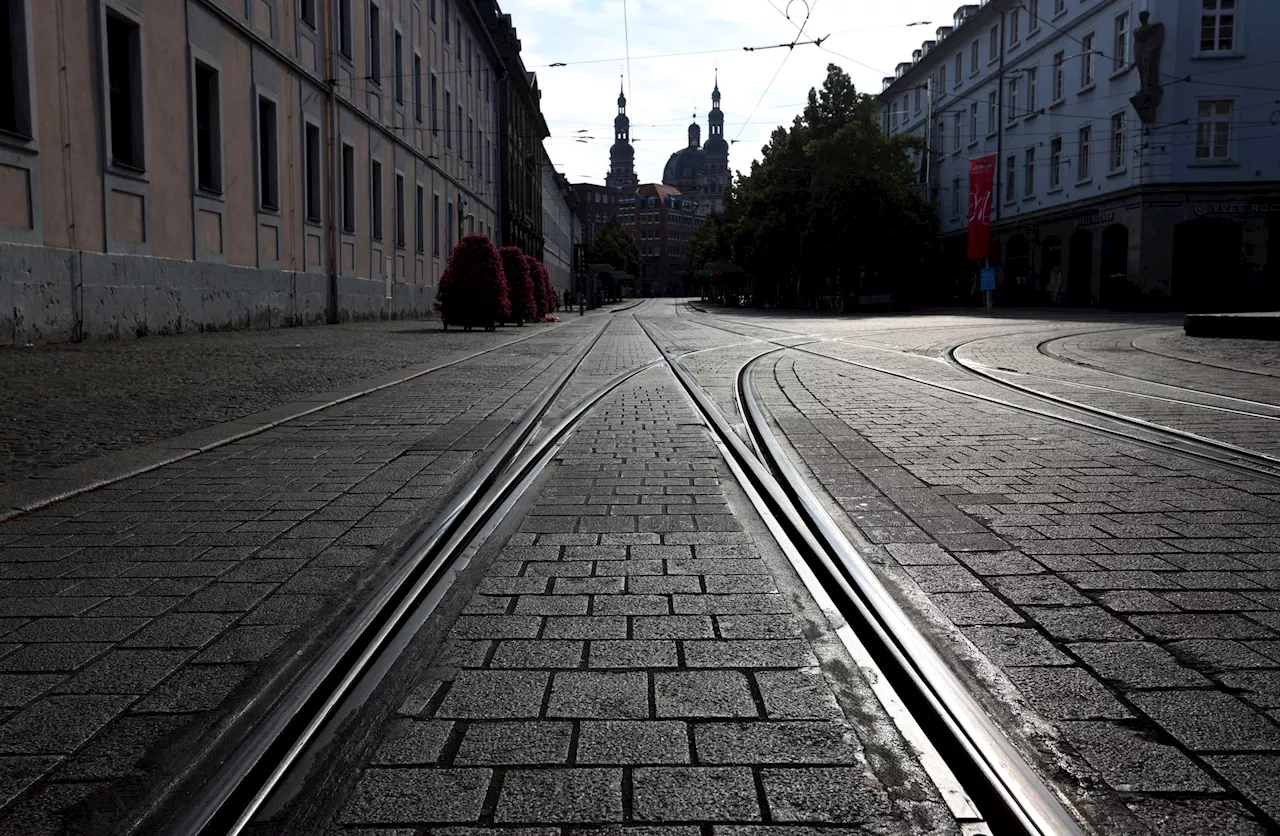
<point x="228" y="800"/>
<point x="1005" y="788"/>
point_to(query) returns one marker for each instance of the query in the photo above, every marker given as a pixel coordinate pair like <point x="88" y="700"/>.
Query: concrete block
<point x="37" y="294"/>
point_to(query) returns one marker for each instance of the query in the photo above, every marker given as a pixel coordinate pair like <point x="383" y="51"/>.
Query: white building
<point x="1094" y="202"/>
<point x="559" y="219"/>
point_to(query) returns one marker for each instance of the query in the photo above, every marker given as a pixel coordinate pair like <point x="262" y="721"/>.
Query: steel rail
<point x="226" y="802"/>
<point x="1227" y="456"/>
<point x="1043" y="348"/>
<point x="1004" y="787"/>
<point x="1239" y="456"/>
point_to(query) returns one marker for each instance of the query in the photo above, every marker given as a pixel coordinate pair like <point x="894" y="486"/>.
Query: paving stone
<point x="1076" y="623"/>
<point x="589" y="586"/>
<point x="1136" y="665"/>
<point x="599" y="695"/>
<point x="517" y="653"/>
<point x="125" y="672"/>
<point x="694" y="793"/>
<point x="776" y="742"/>
<point x="121" y="749"/>
<point x="1200" y="626"/>
<point x="830" y="795"/>
<point x="492" y="695"/>
<point x="627" y="742"/>
<point x="1132" y="762"/>
<point x="633" y="654"/>
<point x="1218" y="655"/>
<point x="796" y="695"/>
<point x="673" y="627"/>
<point x="1066" y="693"/>
<point x="663" y="584"/>
<point x="58" y="724"/>
<point x="1208" y="720"/>
<point x="19" y="772"/>
<point x="566" y="796"/>
<point x="496" y="627"/>
<point x="1257" y="776"/>
<point x="1015" y="646"/>
<point x="782" y="626"/>
<point x="182" y="630"/>
<point x="527" y="743"/>
<point x="606" y="605"/>
<point x="399" y="795"/>
<point x="772" y="653"/>
<point x="18" y="689"/>
<point x="413" y="743"/>
<point x="728" y="604"/>
<point x="585" y="627"/>
<point x="1196" y="815"/>
<point x="965" y="608"/>
<point x="703" y="694"/>
<point x="194" y="688"/>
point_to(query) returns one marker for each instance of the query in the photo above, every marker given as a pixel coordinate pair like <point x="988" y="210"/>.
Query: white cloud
<point x="664" y="92"/>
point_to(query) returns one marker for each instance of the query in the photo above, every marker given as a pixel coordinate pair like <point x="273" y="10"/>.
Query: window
<point x="344" y="27"/>
<point x="124" y="86"/>
<point x="311" y="161"/>
<point x="446" y="21"/>
<point x="955" y="197"/>
<point x="939" y="137"/>
<point x="959" y="68"/>
<point x="1055" y="163"/>
<point x="307" y="11"/>
<point x="992" y="108"/>
<point x="1010" y="175"/>
<point x="1213" y="130"/>
<point x="957" y="123"/>
<point x="15" y="92"/>
<point x="435" y="225"/>
<point x="1059" y="7"/>
<point x="942" y="80"/>
<point x="1012" y="115"/>
<point x="1218" y="26"/>
<point x="1033" y="16"/>
<point x="1117" y="142"/>
<point x="457" y="27"/>
<point x="448" y="120"/>
<point x="431" y="10"/>
<point x="399" y="208"/>
<point x="471" y="140"/>
<point x="459" y="130"/>
<point x="375" y="198"/>
<point x="1086" y="59"/>
<point x="397" y="55"/>
<point x="918" y="95"/>
<point x="487" y="151"/>
<point x="417" y="87"/>
<point x="1084" y="170"/>
<point x="433" y="104"/>
<point x="1029" y="172"/>
<point x="348" y="188"/>
<point x="1059" y="77"/>
<point x="1120" y="47"/>
<point x="268" y="156"/>
<point x="1014" y="25"/>
<point x="375" y="44"/>
<point x="448" y="226"/>
<point x="420" y="227"/>
<point x="973" y="122"/>
<point x="208" y="139"/>
<point x="993" y="50"/>
<point x="1033" y="76"/>
<point x="468" y="56"/>
<point x="482" y="148"/>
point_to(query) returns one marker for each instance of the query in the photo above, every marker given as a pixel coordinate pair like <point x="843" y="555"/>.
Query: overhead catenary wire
<point x="808" y="12"/>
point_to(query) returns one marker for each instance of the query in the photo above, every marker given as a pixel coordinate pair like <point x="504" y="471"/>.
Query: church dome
<point x="684" y="164"/>
<point x="715" y="145"/>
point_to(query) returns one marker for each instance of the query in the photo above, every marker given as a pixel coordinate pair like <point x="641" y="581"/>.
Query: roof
<point x="657" y="190"/>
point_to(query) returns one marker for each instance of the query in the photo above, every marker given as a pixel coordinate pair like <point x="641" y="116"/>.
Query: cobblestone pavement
<point x="64" y="404"/>
<point x="136" y="619"/>
<point x="631" y="658"/>
<point x="1128" y="597"/>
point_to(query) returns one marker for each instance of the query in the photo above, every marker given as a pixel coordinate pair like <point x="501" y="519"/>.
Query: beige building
<point x="173" y="165"/>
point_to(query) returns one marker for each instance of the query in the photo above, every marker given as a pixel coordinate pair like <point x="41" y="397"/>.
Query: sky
<point x="663" y="93"/>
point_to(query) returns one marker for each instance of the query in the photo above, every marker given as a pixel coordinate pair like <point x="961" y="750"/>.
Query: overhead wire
<point x="808" y="12"/>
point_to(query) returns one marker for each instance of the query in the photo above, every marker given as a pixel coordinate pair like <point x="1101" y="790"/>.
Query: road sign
<point x="988" y="279"/>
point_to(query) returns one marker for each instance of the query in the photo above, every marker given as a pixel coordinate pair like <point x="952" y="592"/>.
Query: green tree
<point x="614" y="246"/>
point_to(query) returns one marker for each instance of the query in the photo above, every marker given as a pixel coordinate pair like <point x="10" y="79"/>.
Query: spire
<point x="715" y="94"/>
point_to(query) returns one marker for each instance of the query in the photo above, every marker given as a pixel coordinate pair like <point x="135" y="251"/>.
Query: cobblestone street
<point x="1079" y="511"/>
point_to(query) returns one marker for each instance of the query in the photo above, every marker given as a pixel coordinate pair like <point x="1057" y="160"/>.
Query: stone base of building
<point x="1163" y="248"/>
<point x="50" y="295"/>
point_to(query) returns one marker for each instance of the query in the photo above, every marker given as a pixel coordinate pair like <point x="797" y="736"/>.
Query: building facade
<point x="596" y="205"/>
<point x="660" y="220"/>
<point x="522" y="129"/>
<point x="190" y="164"/>
<point x="1133" y="148"/>
<point x="560" y="228"/>
<point x="701" y="172"/>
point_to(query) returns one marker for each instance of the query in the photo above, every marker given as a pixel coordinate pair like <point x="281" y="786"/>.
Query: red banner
<point x="982" y="173"/>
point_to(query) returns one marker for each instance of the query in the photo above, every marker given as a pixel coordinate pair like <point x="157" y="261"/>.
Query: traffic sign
<point x="988" y="281"/>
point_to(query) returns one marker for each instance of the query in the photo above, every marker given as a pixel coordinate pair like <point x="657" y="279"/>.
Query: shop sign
<point x="1096" y="219"/>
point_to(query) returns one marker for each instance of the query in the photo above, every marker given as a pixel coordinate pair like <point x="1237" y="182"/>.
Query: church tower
<point x="622" y="157"/>
<point x="716" y="152"/>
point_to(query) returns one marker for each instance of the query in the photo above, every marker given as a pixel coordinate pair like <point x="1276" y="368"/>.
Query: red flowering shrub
<point x="520" y="288"/>
<point x="548" y="292"/>
<point x="473" y="289"/>
<point x="535" y="274"/>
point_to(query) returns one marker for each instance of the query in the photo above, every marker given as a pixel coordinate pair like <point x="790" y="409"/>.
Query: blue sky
<point x="664" y="92"/>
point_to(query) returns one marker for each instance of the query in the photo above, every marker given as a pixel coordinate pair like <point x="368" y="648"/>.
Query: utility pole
<point x="928" y="141"/>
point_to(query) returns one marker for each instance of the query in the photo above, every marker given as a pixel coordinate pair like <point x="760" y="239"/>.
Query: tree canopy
<point x="614" y="246"/>
<point x="832" y="208"/>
